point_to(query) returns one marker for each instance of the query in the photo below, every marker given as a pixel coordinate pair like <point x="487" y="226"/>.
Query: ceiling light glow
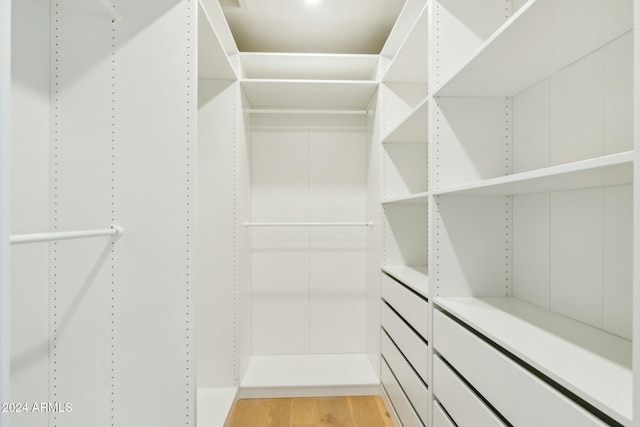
<point x="312" y="2"/>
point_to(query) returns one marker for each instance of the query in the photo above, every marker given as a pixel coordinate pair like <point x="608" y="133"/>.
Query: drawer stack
<point x="479" y="384"/>
<point x="405" y="351"/>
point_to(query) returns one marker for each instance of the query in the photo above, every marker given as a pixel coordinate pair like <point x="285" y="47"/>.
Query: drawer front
<point x="410" y="382"/>
<point x="403" y="408"/>
<point x="440" y="417"/>
<point x="519" y="395"/>
<point x="413" y="308"/>
<point x="410" y="344"/>
<point x="466" y="409"/>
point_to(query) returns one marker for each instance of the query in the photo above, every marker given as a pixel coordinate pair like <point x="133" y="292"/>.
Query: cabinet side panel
<point x="215" y="282"/>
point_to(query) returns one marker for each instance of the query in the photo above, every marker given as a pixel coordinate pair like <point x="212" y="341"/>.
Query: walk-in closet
<point x="188" y="219"/>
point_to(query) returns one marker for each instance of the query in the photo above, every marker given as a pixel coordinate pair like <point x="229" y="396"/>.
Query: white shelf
<point x="414" y="128"/>
<point x="321" y="94"/>
<point x="213" y="62"/>
<point x="614" y="169"/>
<point x="541" y="38"/>
<point x="214" y="405"/>
<point x="309" y="370"/>
<point x="413" y="276"/>
<point x="591" y="363"/>
<point x="402" y="27"/>
<point x="301" y="66"/>
<point x="412" y="198"/>
<point x="410" y="64"/>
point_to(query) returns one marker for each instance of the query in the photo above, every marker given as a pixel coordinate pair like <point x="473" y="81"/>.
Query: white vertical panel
<point x="80" y="179"/>
<point x="577" y="111"/>
<point x="576" y="254"/>
<point x="472" y="241"/>
<point x="215" y="273"/>
<point x="462" y="26"/>
<point x="618" y="95"/>
<point x="5" y="149"/>
<point x="337" y="192"/>
<point x="472" y="140"/>
<point x="243" y="234"/>
<point x="280" y="277"/>
<point x="531" y="128"/>
<point x="29" y="204"/>
<point x="531" y="248"/>
<point x="374" y="241"/>
<point x="618" y="260"/>
<point x="156" y="111"/>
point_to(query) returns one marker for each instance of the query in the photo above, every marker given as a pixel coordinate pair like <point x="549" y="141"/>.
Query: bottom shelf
<point x="589" y="362"/>
<point x="214" y="405"/>
<point x="309" y="371"/>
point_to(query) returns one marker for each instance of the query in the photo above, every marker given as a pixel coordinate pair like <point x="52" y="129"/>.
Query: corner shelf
<point x="410" y="64"/>
<point x="413" y="276"/>
<point x="213" y="62"/>
<point x="413" y="129"/>
<point x="518" y="55"/>
<point x="411" y="199"/>
<point x="614" y="169"/>
<point x="592" y="364"/>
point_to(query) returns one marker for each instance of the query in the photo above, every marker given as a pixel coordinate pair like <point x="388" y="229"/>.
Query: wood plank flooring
<point x="349" y="411"/>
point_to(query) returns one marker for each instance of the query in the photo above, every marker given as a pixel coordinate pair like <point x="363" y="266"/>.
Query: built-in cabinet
<point x="450" y="223"/>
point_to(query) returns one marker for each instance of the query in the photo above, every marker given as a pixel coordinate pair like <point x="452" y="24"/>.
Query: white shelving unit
<point x="213" y="61"/>
<point x="414" y="277"/>
<point x="531" y="162"/>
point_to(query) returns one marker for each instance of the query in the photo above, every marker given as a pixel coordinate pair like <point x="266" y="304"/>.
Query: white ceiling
<point x="296" y="26"/>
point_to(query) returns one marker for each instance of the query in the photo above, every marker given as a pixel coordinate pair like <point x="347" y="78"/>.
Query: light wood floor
<point x="351" y="411"/>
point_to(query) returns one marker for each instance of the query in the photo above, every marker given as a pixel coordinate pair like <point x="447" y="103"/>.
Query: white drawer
<point x="520" y="396"/>
<point x="410" y="343"/>
<point x="410" y="382"/>
<point x="466" y="409"/>
<point x="440" y="417"/>
<point x="401" y="405"/>
<point x="413" y="308"/>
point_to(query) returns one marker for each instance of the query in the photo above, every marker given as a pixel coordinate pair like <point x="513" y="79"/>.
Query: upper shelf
<point x="541" y="38"/>
<point x="591" y="363"/>
<point x="411" y="199"/>
<point x="410" y="63"/>
<point x="312" y="94"/>
<point x="403" y="26"/>
<point x="414" y="128"/>
<point x="614" y="169"/>
<point x="307" y="66"/>
<point x="213" y="62"/>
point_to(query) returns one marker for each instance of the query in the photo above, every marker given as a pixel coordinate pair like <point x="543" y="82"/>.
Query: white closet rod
<point x="311" y="224"/>
<point x="305" y="111"/>
<point x="64" y="235"/>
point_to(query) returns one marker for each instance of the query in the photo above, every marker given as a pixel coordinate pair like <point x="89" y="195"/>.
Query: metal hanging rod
<point x="311" y="224"/>
<point x="305" y="111"/>
<point x="16" y="239"/>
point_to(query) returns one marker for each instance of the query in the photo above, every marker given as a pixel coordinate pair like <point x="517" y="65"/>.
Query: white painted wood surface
<point x="414" y="349"/>
<point x="410" y="306"/>
<point x="464" y="406"/>
<point x="399" y="400"/>
<point x="413" y="276"/>
<point x="515" y="392"/>
<point x="589" y="362"/>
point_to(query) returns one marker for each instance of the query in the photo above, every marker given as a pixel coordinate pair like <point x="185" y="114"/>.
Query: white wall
<point x="309" y="168"/>
<point x="115" y="318"/>
<point x="29" y="203"/>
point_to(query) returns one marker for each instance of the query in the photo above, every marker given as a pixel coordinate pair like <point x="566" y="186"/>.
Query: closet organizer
<point x="449" y="223"/>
